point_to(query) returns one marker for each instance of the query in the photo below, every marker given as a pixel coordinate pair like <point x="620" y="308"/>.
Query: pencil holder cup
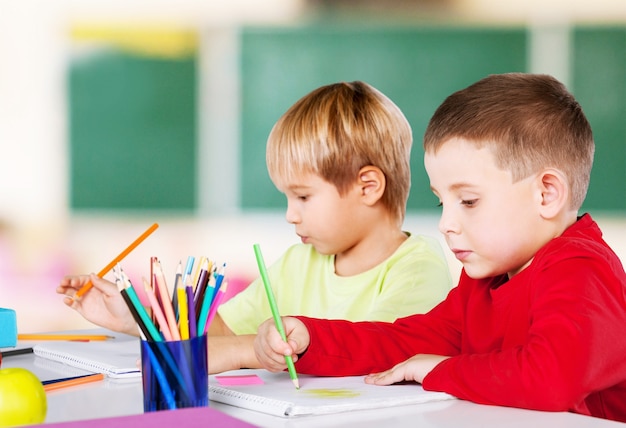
<point x="174" y="374"/>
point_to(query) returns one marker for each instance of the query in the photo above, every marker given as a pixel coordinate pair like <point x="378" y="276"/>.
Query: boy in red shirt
<point x="537" y="320"/>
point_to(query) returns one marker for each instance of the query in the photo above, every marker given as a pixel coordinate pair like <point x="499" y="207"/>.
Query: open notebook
<point x="275" y="394"/>
<point x="116" y="358"/>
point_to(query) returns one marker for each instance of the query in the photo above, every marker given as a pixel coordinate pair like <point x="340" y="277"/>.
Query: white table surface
<point x="124" y="397"/>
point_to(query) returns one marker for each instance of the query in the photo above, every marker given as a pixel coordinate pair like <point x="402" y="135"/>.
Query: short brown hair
<point x="530" y="122"/>
<point x="336" y="130"/>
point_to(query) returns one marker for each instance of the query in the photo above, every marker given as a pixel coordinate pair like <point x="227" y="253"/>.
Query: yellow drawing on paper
<point x="332" y="393"/>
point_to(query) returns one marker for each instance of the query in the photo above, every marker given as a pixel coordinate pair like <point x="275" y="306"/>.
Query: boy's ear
<point x="555" y="192"/>
<point x="371" y="182"/>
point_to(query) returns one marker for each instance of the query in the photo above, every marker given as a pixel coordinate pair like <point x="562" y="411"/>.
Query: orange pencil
<point x="79" y="337"/>
<point x="119" y="257"/>
<point x="73" y="381"/>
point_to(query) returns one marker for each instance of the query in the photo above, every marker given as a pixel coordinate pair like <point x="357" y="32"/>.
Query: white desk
<point x="118" y="398"/>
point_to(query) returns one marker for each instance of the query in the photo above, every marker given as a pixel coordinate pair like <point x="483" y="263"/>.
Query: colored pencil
<point x="277" y="320"/>
<point x="65" y="383"/>
<point x="63" y="379"/>
<point x="166" y="304"/>
<point x="191" y="308"/>
<point x="218" y="280"/>
<point x="117" y="259"/>
<point x="188" y="269"/>
<point x="16" y="352"/>
<point x="77" y="337"/>
<point x="200" y="290"/>
<point x="202" y="263"/>
<point x="209" y="297"/>
<point x="157" y="312"/>
<point x="131" y="307"/>
<point x="214" y="307"/>
<point x="183" y="314"/>
<point x="153" y="332"/>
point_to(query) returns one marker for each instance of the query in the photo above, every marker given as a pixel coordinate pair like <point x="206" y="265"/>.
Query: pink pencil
<point x="214" y="305"/>
<point x="156" y="310"/>
<point x="168" y="309"/>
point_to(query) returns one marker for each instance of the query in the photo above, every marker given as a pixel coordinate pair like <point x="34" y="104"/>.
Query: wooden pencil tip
<point x="296" y="383"/>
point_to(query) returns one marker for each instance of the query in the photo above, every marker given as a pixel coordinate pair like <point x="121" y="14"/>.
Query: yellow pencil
<point x="183" y="314"/>
<point x="79" y="337"/>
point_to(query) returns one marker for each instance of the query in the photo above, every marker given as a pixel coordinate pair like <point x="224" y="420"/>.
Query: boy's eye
<point x="469" y="202"/>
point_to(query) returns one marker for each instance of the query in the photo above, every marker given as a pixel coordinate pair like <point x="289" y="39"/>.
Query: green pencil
<point x="275" y="314"/>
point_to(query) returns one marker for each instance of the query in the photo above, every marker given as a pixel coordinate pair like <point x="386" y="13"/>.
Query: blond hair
<point x="529" y="121"/>
<point x="336" y="130"/>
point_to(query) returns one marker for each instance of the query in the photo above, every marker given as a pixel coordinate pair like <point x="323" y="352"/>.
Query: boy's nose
<point x="447" y="224"/>
<point x="292" y="216"/>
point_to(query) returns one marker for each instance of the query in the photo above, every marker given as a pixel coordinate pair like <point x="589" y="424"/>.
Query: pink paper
<point x="239" y="380"/>
<point x="191" y="417"/>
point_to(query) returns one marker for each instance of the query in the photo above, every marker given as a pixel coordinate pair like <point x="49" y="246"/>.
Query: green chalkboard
<point x="599" y="70"/>
<point x="416" y="67"/>
<point x="132" y="132"/>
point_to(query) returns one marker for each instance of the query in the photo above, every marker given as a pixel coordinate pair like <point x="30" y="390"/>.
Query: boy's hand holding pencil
<point x="98" y="300"/>
<point x="270" y="348"/>
<point x="278" y="323"/>
<point x="102" y="306"/>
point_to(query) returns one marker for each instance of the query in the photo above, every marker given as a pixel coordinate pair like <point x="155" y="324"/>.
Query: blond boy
<point x="341" y="157"/>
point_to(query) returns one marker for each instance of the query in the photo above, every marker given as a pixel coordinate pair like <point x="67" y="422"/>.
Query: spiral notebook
<point x="275" y="394"/>
<point x="116" y="358"/>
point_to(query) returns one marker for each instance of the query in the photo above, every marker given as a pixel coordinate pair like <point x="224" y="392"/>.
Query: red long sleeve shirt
<point x="551" y="338"/>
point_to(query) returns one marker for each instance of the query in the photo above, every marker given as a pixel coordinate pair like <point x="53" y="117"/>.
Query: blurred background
<point x="116" y="114"/>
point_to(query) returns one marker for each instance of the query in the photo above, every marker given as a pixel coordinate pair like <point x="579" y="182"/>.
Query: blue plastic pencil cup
<point x="174" y="374"/>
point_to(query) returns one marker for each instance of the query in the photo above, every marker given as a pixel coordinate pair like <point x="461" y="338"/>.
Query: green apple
<point x="22" y="398"/>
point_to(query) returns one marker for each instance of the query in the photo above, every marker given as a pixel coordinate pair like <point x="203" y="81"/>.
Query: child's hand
<point x="270" y="349"/>
<point x="414" y="369"/>
<point x="102" y="304"/>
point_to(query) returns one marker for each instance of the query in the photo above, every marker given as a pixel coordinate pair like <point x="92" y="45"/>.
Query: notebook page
<point x="317" y="395"/>
<point x="116" y="358"/>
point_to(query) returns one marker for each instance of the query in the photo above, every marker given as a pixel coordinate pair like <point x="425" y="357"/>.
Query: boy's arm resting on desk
<point x="231" y="353"/>
<point x="218" y="327"/>
<point x="414" y="369"/>
<point x="227" y="351"/>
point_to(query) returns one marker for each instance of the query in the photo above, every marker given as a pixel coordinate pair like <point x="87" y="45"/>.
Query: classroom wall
<point x="59" y="213"/>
